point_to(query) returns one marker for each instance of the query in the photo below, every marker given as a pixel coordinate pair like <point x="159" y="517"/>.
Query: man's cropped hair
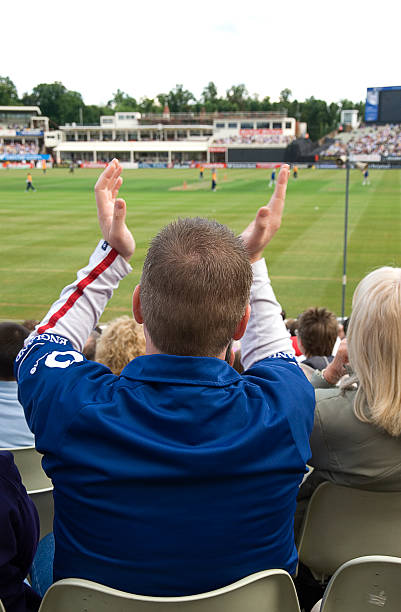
<point x="317" y="330"/>
<point x="195" y="286"/>
<point x="12" y="337"/>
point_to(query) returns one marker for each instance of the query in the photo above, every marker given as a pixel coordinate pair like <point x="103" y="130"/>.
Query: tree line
<point x="62" y="105"/>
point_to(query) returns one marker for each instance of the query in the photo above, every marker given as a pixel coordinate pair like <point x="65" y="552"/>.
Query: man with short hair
<point x="317" y="334"/>
<point x="14" y="430"/>
<point x="180" y="475"/>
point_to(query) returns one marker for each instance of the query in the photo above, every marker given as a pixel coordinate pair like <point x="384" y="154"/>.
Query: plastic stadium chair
<point x="268" y="591"/>
<point x="342" y="523"/>
<point x="365" y="583"/>
<point x="29" y="463"/>
<point x="43" y="500"/>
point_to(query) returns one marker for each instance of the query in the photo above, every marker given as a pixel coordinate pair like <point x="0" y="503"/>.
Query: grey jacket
<point x="347" y="451"/>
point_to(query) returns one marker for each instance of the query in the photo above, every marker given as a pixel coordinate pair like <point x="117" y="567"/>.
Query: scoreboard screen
<point x="383" y="105"/>
<point x="390" y="106"/>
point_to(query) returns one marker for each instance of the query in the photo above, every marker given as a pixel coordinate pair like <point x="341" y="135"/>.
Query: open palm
<point x="112" y="210"/>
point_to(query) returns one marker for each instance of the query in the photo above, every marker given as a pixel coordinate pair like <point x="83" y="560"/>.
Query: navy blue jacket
<point x="19" y="535"/>
<point x="178" y="477"/>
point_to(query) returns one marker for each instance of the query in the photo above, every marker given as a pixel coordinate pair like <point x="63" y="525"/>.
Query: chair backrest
<point x="342" y="523"/>
<point x="29" y="463"/>
<point x="43" y="500"/>
<point x="267" y="591"/>
<point x="365" y="583"/>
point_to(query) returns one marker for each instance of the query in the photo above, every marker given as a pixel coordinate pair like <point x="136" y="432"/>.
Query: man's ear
<point x="136" y="305"/>
<point x="240" y="331"/>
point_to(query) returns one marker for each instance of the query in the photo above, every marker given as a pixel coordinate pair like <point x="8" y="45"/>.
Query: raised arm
<point x="81" y="303"/>
<point x="266" y="333"/>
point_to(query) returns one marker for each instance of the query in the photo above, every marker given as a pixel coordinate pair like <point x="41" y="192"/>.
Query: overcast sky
<point x="330" y="50"/>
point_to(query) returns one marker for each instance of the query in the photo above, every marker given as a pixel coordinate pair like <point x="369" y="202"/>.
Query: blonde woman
<point x="356" y="438"/>
<point x="121" y="341"/>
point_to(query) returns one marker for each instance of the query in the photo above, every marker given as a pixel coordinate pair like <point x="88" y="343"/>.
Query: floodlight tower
<point x="343" y="162"/>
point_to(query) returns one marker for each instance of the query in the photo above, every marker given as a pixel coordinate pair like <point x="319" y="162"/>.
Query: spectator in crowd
<point x="356" y="439"/>
<point x="122" y="341"/>
<point x="89" y="349"/>
<point x="317" y="334"/>
<point x="19" y="535"/>
<point x="365" y="414"/>
<point x="380" y="140"/>
<point x="30" y="324"/>
<point x="291" y="325"/>
<point x="18" y="148"/>
<point x="14" y="430"/>
<point x="166" y="474"/>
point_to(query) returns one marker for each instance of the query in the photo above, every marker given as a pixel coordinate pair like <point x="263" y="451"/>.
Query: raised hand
<point x="268" y="219"/>
<point x="336" y="369"/>
<point x="112" y="212"/>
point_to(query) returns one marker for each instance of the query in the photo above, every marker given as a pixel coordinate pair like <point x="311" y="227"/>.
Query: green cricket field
<point x="47" y="235"/>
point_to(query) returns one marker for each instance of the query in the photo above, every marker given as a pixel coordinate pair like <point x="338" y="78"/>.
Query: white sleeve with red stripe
<point x="81" y="304"/>
<point x="266" y="334"/>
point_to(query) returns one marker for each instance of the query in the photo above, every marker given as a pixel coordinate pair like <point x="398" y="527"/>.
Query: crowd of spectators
<point x="383" y="140"/>
<point x="255" y="139"/>
<point x="158" y="447"/>
<point x="19" y="148"/>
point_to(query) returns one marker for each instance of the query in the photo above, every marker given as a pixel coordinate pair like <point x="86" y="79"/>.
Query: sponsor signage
<point x="23" y="157"/>
<point x="91" y="164"/>
<point x="365" y="157"/>
<point x="29" y="133"/>
<point x="14" y="165"/>
<point x="217" y="149"/>
<point x="210" y="165"/>
<point x="260" y="132"/>
<point x="241" y="165"/>
<point x="152" y="165"/>
<point x="269" y="164"/>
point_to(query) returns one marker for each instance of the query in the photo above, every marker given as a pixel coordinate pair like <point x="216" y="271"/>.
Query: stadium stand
<point x="177" y="139"/>
<point x="380" y="140"/>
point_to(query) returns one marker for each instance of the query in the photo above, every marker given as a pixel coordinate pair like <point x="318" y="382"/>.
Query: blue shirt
<point x="178" y="477"/>
<point x="14" y="430"/>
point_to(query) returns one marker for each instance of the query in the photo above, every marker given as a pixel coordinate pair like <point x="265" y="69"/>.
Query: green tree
<point x="238" y="97"/>
<point x="149" y="105"/>
<point x="209" y="94"/>
<point x="178" y="99"/>
<point x="8" y="92"/>
<point x="285" y="95"/>
<point x="58" y="103"/>
<point x="121" y="101"/>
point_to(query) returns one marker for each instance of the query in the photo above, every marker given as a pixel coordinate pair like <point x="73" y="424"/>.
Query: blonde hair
<point x="374" y="346"/>
<point x="121" y="341"/>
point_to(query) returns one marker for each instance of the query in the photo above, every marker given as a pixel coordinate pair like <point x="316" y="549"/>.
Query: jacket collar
<point x="205" y="371"/>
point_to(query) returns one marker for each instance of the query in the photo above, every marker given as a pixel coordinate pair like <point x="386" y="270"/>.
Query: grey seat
<point x="267" y="591"/>
<point x="39" y="487"/>
<point x="43" y="500"/>
<point x="342" y="523"/>
<point x="365" y="583"/>
<point x="29" y="463"/>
